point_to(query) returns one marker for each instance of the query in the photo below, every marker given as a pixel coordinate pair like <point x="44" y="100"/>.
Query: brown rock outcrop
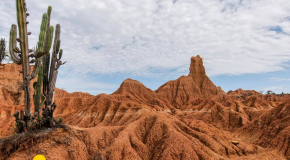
<point x="181" y="92"/>
<point x="187" y="90"/>
<point x="197" y="72"/>
<point x="270" y="128"/>
<point x="10" y="82"/>
<point x="240" y="92"/>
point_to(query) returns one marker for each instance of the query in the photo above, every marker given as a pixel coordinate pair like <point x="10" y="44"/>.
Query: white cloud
<point x="87" y="84"/>
<point x="280" y="79"/>
<point x="278" y="89"/>
<point x="156" y="38"/>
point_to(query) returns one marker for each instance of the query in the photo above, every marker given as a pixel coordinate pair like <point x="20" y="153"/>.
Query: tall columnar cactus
<point x="55" y="64"/>
<point x="2" y="49"/>
<point x="48" y="73"/>
<point x="41" y="60"/>
<point x="21" y="56"/>
<point x="42" y="45"/>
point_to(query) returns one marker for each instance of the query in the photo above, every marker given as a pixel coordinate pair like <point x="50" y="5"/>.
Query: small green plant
<point x="14" y="131"/>
<point x="59" y="120"/>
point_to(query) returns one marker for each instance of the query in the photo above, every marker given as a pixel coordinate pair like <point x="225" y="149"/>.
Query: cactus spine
<point x="44" y="87"/>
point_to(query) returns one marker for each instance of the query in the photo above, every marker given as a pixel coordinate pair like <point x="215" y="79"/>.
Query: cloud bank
<point x="156" y="38"/>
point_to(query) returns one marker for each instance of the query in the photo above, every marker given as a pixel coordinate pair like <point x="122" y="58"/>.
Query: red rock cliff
<point x="186" y="89"/>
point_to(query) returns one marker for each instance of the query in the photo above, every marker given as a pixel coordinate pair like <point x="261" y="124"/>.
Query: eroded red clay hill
<point x="188" y="118"/>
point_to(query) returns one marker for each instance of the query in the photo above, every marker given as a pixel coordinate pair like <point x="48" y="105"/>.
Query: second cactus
<point x="48" y="70"/>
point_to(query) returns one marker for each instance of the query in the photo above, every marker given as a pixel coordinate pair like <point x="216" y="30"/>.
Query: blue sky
<point x="278" y="82"/>
<point x="245" y="44"/>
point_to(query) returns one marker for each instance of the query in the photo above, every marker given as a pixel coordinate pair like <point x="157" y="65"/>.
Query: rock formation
<point x="188" y="118"/>
<point x="10" y="84"/>
<point x="188" y="90"/>
<point x="197" y="72"/>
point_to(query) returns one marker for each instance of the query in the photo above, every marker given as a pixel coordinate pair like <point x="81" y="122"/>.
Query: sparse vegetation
<point x="269" y="92"/>
<point x="3" y="52"/>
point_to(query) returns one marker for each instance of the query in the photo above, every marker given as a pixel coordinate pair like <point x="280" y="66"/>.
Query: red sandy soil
<point x="188" y="118"/>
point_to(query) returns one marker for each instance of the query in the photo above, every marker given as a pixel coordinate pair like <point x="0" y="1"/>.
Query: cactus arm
<point x="12" y="45"/>
<point x="46" y="60"/>
<point x="48" y="41"/>
<point x="39" y="52"/>
<point x="46" y="49"/>
<point x="42" y="35"/>
<point x="22" y="26"/>
<point x="53" y="73"/>
<point x="59" y="63"/>
<point x="60" y="54"/>
<point x="38" y="89"/>
<point x="45" y="74"/>
<point x="57" y="36"/>
<point x="35" y="69"/>
<point x="17" y="50"/>
<point x="57" y="46"/>
<point x="51" y="86"/>
<point x="49" y="11"/>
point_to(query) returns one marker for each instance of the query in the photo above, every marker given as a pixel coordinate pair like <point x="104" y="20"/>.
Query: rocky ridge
<point x="187" y="118"/>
